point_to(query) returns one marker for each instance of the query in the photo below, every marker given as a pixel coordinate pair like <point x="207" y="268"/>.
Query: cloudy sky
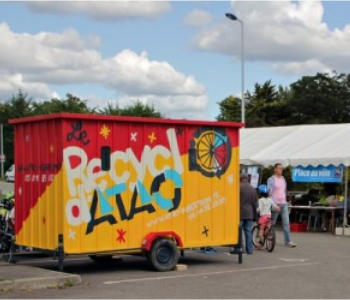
<point x="183" y="57"/>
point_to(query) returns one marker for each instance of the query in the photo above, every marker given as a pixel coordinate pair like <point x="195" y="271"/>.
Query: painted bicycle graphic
<point x="210" y="152"/>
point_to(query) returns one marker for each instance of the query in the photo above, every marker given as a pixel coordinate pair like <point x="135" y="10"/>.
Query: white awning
<point x="296" y="145"/>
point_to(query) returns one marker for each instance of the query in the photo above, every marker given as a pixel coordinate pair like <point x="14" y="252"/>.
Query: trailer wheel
<point x="101" y="258"/>
<point x="164" y="255"/>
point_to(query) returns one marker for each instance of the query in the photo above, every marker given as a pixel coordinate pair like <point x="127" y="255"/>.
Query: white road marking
<point x="294" y="259"/>
<point x="209" y="273"/>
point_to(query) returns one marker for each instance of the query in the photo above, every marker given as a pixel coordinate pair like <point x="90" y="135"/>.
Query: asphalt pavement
<point x="317" y="268"/>
<point x="20" y="277"/>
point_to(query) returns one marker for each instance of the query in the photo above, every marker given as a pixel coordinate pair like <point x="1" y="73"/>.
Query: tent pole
<point x="260" y="174"/>
<point x="345" y="219"/>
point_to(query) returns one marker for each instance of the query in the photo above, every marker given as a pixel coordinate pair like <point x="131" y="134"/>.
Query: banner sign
<point x="317" y="174"/>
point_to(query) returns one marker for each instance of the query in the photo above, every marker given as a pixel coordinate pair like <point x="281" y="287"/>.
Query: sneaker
<point x="291" y="245"/>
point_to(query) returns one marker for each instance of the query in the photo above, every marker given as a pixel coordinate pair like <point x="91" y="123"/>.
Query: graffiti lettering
<point x="136" y="210"/>
<point x="86" y="180"/>
<point x="39" y="167"/>
<point x="76" y="135"/>
<point x="84" y="171"/>
<point x="94" y="222"/>
<point x="164" y="203"/>
<point x="146" y="199"/>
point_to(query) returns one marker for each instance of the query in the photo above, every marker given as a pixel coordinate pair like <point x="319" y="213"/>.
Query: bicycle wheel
<point x="270" y="239"/>
<point x="256" y="237"/>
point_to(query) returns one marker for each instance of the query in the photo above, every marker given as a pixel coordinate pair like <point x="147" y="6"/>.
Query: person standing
<point x="248" y="207"/>
<point x="277" y="188"/>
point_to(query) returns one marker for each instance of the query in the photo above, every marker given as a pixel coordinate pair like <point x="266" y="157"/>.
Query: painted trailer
<point x="106" y="185"/>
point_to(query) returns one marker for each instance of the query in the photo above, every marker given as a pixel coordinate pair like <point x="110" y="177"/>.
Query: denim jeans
<point x="247" y="228"/>
<point x="285" y="221"/>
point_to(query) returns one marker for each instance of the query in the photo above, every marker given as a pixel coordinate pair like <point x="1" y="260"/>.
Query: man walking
<point x="248" y="205"/>
<point x="277" y="188"/>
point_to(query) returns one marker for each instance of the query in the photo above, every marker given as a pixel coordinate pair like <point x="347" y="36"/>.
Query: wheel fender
<point x="152" y="236"/>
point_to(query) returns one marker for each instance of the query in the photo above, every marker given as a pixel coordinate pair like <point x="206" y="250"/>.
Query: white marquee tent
<point x="297" y="145"/>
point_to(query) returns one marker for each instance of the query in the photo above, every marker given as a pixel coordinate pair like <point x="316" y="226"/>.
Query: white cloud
<point x="173" y="106"/>
<point x="198" y="18"/>
<point x="102" y="10"/>
<point x="11" y="84"/>
<point x="33" y="62"/>
<point x="69" y="39"/>
<point x="290" y="35"/>
<point x="312" y="66"/>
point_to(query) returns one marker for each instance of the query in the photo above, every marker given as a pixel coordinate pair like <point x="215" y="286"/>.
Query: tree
<point x="321" y="99"/>
<point x="265" y="106"/>
<point x="17" y="107"/>
<point x="72" y="104"/>
<point x="110" y="109"/>
<point x="230" y="109"/>
<point x="137" y="109"/>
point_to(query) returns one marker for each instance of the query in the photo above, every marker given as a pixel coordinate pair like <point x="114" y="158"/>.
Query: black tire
<point x="256" y="238"/>
<point x="101" y="258"/>
<point x="164" y="255"/>
<point x="270" y="239"/>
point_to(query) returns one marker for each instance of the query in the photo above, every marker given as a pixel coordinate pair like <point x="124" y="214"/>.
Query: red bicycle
<point x="269" y="240"/>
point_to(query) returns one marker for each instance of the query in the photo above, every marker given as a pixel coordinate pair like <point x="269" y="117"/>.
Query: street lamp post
<point x="234" y="18"/>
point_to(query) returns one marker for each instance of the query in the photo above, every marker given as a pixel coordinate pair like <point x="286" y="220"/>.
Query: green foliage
<point x="230" y="109"/>
<point x="321" y="99"/>
<point x="72" y="104"/>
<point x="267" y="106"/>
<point x="318" y="99"/>
<point x="17" y="107"/>
<point x="137" y="109"/>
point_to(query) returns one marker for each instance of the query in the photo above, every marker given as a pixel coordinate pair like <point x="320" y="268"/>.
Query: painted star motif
<point x="230" y="179"/>
<point x="205" y="231"/>
<point x="133" y="136"/>
<point x="216" y="195"/>
<point x="71" y="234"/>
<point x="20" y="191"/>
<point x="121" y="233"/>
<point x="105" y="131"/>
<point x="152" y="137"/>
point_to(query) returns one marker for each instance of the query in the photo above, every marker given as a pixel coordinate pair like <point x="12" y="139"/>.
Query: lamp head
<point x="231" y="16"/>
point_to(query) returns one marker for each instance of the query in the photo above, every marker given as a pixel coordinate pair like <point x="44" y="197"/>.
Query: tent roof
<point x="296" y="145"/>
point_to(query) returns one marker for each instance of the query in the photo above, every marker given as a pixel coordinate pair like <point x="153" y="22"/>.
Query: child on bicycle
<point x="266" y="205"/>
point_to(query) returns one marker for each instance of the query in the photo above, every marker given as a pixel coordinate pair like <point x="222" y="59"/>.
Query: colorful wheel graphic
<point x="213" y="152"/>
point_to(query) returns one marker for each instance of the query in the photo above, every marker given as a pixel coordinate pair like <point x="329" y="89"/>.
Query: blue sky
<point x="183" y="56"/>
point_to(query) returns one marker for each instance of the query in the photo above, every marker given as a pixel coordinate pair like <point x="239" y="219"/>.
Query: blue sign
<point x="317" y="174"/>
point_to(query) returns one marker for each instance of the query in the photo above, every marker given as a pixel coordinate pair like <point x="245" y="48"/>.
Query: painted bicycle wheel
<point x="213" y="153"/>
